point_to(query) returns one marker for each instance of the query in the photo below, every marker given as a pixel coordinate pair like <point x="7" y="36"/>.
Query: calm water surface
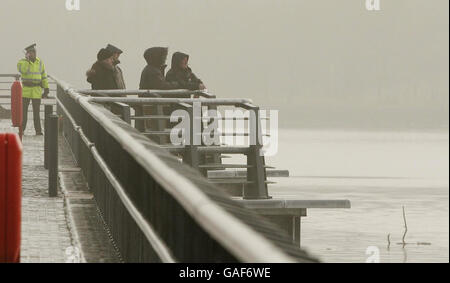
<point x="379" y="172"/>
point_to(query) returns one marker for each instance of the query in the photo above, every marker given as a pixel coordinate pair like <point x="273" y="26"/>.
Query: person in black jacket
<point x="152" y="76"/>
<point x="101" y="74"/>
<point x="182" y="73"/>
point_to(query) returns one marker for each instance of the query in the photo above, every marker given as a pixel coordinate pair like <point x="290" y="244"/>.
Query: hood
<point x="156" y="56"/>
<point x="176" y="59"/>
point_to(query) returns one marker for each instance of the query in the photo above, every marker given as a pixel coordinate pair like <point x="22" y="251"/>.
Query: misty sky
<point x="323" y="63"/>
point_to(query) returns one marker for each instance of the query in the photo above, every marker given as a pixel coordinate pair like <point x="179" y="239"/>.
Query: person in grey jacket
<point x="118" y="74"/>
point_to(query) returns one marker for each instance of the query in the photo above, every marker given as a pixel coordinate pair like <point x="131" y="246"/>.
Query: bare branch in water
<point x="389" y="241"/>
<point x="406" y="227"/>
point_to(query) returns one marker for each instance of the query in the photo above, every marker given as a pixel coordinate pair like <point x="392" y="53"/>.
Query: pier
<point x="116" y="189"/>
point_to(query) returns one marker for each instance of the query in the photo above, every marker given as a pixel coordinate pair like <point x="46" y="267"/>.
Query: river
<point x="379" y="172"/>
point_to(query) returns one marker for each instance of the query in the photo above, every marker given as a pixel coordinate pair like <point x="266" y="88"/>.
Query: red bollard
<point x="10" y="197"/>
<point x="16" y="106"/>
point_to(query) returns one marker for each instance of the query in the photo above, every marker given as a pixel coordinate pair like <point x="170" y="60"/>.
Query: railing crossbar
<point x="245" y="103"/>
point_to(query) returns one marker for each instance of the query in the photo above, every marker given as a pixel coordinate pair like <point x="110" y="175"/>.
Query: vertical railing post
<point x="191" y="154"/>
<point x="161" y="124"/>
<point x="59" y="91"/>
<point x="126" y="113"/>
<point x="53" y="156"/>
<point x="214" y="158"/>
<point x="139" y="124"/>
<point x="297" y="232"/>
<point x="48" y="110"/>
<point x="256" y="173"/>
<point x="122" y="110"/>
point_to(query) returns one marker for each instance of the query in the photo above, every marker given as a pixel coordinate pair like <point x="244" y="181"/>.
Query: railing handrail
<point x="157" y="100"/>
<point x="121" y="92"/>
<point x="16" y="76"/>
<point x="246" y="244"/>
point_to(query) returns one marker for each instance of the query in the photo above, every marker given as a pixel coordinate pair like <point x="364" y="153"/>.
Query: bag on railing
<point x="16" y="104"/>
<point x="10" y="197"/>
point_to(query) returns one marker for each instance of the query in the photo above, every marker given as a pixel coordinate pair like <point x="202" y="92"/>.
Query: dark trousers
<point x="36" y="103"/>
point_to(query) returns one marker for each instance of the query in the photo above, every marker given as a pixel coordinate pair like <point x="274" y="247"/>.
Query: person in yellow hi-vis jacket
<point x="34" y="79"/>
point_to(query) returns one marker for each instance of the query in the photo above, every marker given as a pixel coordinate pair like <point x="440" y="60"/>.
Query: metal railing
<point x="4" y="84"/>
<point x="153" y="111"/>
<point x="5" y="94"/>
<point x="194" y="153"/>
<point x="156" y="208"/>
<point x="149" y="93"/>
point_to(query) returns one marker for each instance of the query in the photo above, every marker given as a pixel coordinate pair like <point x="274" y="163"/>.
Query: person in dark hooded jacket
<point x="118" y="74"/>
<point x="152" y="76"/>
<point x="101" y="74"/>
<point x="182" y="73"/>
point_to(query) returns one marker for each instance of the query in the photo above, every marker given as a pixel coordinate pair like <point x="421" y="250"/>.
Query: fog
<point x="322" y="63"/>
